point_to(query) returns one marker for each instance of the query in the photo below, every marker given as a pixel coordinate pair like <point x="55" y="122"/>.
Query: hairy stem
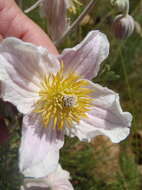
<point x="33" y="6"/>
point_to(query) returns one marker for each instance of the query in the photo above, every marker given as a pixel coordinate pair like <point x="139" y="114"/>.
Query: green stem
<point x="33" y="6"/>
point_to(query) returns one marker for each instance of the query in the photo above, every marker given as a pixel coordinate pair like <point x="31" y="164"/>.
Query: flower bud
<point x="123" y="26"/>
<point x="121" y="5"/>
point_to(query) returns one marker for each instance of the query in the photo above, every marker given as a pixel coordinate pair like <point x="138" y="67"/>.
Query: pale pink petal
<point x="56" y="14"/>
<point x="105" y="118"/>
<point x="60" y="180"/>
<point x="86" y="57"/>
<point x="12" y="89"/>
<point x="57" y="180"/>
<point x="39" y="150"/>
<point x="22" y="67"/>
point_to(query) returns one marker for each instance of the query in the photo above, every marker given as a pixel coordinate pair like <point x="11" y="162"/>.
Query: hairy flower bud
<point x="123" y="26"/>
<point x="122" y="5"/>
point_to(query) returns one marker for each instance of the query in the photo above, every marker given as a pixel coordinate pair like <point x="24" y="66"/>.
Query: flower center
<point x="64" y="99"/>
<point x="69" y="100"/>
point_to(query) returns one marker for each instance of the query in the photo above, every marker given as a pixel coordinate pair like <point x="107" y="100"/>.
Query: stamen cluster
<point x="64" y="100"/>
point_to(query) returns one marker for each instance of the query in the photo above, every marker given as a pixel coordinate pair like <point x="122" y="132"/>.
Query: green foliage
<point x="10" y="178"/>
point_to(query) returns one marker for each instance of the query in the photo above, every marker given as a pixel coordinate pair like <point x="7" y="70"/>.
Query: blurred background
<point x="100" y="165"/>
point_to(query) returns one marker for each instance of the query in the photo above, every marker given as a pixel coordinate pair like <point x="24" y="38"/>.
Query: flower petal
<point x="39" y="150"/>
<point x="21" y="69"/>
<point x="57" y="180"/>
<point x="86" y="57"/>
<point x="105" y="118"/>
<point x="56" y="14"/>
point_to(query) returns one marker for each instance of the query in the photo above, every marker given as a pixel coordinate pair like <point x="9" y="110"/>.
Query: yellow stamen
<point x="64" y="100"/>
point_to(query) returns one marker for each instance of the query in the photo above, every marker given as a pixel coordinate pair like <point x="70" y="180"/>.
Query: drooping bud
<point x="123" y="26"/>
<point x="121" y="5"/>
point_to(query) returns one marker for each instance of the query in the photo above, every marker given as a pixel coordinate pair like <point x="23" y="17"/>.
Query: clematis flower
<point x="57" y="180"/>
<point x="57" y="97"/>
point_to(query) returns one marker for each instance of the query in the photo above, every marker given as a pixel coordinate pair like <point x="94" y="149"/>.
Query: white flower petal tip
<point x="105" y="118"/>
<point x="86" y="57"/>
<point x="39" y="150"/>
<point x="57" y="180"/>
<point x="22" y="66"/>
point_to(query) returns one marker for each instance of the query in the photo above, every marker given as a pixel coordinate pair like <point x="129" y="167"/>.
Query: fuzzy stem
<point x="87" y="9"/>
<point x="33" y="6"/>
<point x="126" y="11"/>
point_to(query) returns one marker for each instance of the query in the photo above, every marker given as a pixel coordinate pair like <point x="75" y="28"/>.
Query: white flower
<point x="57" y="180"/>
<point x="57" y="98"/>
